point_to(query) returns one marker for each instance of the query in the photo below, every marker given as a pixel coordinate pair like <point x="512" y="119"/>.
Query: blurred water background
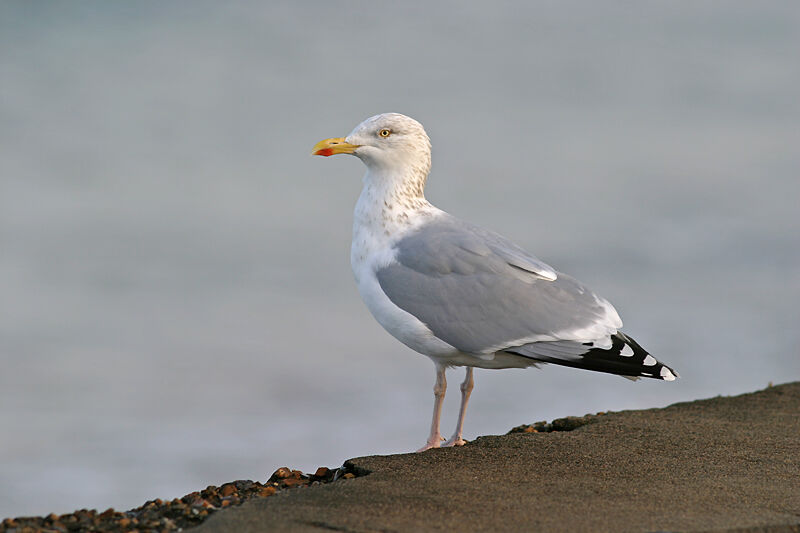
<point x="177" y="306"/>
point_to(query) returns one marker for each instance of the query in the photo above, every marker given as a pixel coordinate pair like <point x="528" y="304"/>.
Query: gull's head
<point x="389" y="142"/>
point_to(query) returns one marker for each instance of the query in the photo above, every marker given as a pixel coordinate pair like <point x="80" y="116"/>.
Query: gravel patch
<point x="157" y="516"/>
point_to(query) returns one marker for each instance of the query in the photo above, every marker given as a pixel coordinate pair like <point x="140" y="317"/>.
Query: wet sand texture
<point x="726" y="463"/>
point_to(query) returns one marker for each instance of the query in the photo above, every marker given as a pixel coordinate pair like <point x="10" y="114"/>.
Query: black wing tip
<point x="625" y="357"/>
<point x="640" y="362"/>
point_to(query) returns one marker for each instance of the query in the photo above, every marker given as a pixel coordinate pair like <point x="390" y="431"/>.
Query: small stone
<point x="322" y="472"/>
<point x="52" y="517"/>
<point x="569" y="423"/>
<point x="124" y="522"/>
<point x="225" y="503"/>
<point x="191" y="497"/>
<point x="349" y="475"/>
<point x="291" y="482"/>
<point x="201" y="504"/>
<point x="108" y="512"/>
<point x="281" y="473"/>
<point x="537" y="427"/>
<point x="266" y="491"/>
<point x="227" y="489"/>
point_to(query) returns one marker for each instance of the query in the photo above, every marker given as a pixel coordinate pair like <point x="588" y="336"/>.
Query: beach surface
<point x="721" y="464"/>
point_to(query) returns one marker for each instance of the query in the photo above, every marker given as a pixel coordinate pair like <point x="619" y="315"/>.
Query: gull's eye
<point x="384" y="133"/>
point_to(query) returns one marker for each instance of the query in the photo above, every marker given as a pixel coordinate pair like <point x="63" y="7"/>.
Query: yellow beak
<point x="333" y="146"/>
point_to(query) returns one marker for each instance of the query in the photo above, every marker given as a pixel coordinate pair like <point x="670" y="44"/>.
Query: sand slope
<point x="716" y="464"/>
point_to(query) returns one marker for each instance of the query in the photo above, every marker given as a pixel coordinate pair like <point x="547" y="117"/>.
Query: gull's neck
<point x="390" y="204"/>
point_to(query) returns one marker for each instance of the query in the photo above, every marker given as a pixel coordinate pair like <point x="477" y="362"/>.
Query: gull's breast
<point x="370" y="251"/>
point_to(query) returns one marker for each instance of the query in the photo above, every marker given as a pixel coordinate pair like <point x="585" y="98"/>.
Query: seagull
<point x="460" y="294"/>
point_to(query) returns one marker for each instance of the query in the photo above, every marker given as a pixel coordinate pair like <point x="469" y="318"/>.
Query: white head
<point x="392" y="146"/>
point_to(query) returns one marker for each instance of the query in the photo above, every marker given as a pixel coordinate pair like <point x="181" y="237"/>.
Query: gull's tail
<point x="624" y="357"/>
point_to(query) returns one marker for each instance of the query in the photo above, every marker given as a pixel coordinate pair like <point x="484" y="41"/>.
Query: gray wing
<point x="481" y="293"/>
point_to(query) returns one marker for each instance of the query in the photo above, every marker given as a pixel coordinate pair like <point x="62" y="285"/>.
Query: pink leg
<point x="435" y="438"/>
<point x="466" y="389"/>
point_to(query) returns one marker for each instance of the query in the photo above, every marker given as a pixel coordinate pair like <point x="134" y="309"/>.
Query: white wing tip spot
<point x="651" y="361"/>
<point x="667" y="375"/>
<point x="627" y="351"/>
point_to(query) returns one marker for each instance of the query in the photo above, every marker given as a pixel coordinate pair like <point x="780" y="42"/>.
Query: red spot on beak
<point x="325" y="151"/>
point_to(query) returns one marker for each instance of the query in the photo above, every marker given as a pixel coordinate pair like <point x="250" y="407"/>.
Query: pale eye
<point x="384" y="133"/>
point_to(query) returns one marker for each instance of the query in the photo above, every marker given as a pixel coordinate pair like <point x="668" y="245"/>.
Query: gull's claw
<point x="432" y="443"/>
<point x="454" y="441"/>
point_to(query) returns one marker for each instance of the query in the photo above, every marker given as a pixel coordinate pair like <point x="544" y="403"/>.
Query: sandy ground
<point x="720" y="464"/>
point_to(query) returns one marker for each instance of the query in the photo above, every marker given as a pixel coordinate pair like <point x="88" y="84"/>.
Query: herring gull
<point x="460" y="294"/>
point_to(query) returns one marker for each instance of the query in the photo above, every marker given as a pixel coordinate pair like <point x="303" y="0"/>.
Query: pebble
<point x="281" y="473"/>
<point x="292" y="482"/>
<point x="323" y="472"/>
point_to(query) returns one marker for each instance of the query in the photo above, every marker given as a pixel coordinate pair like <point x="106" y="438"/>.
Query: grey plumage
<point x="482" y="294"/>
<point x="477" y="291"/>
